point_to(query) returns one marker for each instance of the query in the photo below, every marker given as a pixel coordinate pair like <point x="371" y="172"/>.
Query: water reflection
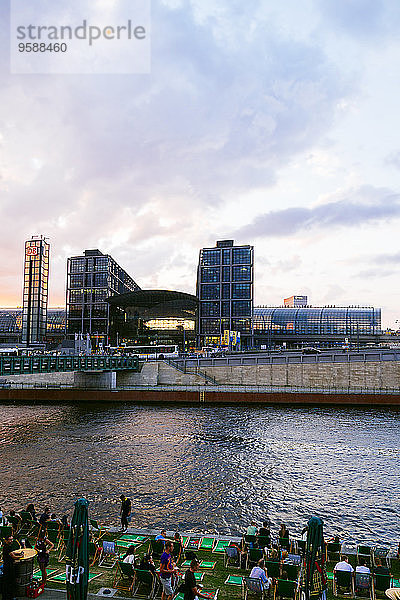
<point x="206" y="468"/>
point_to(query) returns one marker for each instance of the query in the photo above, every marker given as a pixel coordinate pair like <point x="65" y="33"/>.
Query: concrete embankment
<point x="353" y="384"/>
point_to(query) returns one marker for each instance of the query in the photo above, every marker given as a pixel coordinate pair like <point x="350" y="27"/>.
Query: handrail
<point x="20" y="365"/>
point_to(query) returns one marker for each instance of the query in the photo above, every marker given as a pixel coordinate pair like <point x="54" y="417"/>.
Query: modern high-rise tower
<point x="225" y="291"/>
<point x="36" y="280"/>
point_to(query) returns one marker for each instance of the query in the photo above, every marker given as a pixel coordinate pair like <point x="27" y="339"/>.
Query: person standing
<point x="191" y="591"/>
<point x="9" y="556"/>
<point x="167" y="570"/>
<point x="126" y="507"/>
<point x="43" y="547"/>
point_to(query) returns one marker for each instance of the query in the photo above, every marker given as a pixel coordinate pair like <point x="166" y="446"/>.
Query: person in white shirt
<point x="343" y="565"/>
<point x="130" y="555"/>
<point x="361" y="568"/>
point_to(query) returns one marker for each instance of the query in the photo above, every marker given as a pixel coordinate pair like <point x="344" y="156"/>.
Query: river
<point x="208" y="468"/>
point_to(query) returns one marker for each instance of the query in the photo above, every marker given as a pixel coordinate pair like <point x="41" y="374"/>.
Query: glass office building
<point x="36" y="280"/>
<point x="225" y="293"/>
<point x="323" y="326"/>
<point x="91" y="278"/>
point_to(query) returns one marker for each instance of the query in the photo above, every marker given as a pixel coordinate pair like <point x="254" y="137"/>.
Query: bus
<point x="9" y="352"/>
<point x="147" y="352"/>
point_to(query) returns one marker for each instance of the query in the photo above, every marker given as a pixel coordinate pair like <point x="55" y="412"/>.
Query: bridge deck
<point x="18" y="365"/>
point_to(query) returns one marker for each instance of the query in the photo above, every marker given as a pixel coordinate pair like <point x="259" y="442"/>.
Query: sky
<point x="271" y="123"/>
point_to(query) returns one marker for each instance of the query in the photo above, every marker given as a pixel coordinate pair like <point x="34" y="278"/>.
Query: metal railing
<point x="20" y="365"/>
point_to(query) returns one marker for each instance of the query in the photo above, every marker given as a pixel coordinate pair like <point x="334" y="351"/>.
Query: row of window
<point x="218" y="326"/>
<point x="225" y="291"/>
<point x="226" y="256"/>
<point x="236" y="273"/>
<point x="236" y="308"/>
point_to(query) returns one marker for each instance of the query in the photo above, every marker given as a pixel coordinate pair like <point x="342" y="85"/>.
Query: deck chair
<point x="28" y="525"/>
<point x="146" y="580"/>
<point x="98" y="531"/>
<point x="252" y="588"/>
<point x="108" y="555"/>
<point x="333" y="551"/>
<point x="5" y="531"/>
<point x="94" y="552"/>
<point x="380" y="583"/>
<point x="156" y="548"/>
<point x="124" y="576"/>
<point x="264" y="541"/>
<point x="383" y="554"/>
<point x="15" y="523"/>
<point x="363" y="585"/>
<point x="300" y="546"/>
<point x="253" y="556"/>
<point x="62" y="543"/>
<point x="343" y="581"/>
<point x="364" y="552"/>
<point x="232" y="557"/>
<point x="285" y="588"/>
<point x="284" y="543"/>
<point x="292" y="571"/>
<point x="52" y="535"/>
<point x="250" y="540"/>
<point x="273" y="568"/>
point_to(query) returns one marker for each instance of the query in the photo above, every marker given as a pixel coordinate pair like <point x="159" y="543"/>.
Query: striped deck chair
<point x="108" y="555"/>
<point x="207" y="543"/>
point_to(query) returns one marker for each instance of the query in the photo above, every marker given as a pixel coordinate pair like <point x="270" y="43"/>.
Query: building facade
<point x="35" y="295"/>
<point x="225" y="293"/>
<point x="296" y="301"/>
<point x="325" y="326"/>
<point x="91" y="279"/>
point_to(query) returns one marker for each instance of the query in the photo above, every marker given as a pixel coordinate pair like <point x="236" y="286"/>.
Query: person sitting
<point x="162" y="535"/>
<point x="31" y="509"/>
<point x="265" y="532"/>
<point x="361" y="567"/>
<point x="260" y="572"/>
<point x="379" y="569"/>
<point x="252" y="529"/>
<point x="147" y="564"/>
<point x="343" y="565"/>
<point x="274" y="555"/>
<point x="283" y="532"/>
<point x="129" y="556"/>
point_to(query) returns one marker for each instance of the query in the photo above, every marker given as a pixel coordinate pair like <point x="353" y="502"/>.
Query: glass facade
<point x="225" y="287"/>
<point x="323" y="322"/>
<point x="36" y="281"/>
<point x="91" y="278"/>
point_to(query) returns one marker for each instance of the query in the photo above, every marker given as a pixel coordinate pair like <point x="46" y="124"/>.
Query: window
<point x="226" y="273"/>
<point x="241" y="290"/>
<point x="226" y="257"/>
<point x="210" y="274"/>
<point x="211" y="257"/>
<point x="210" y="292"/>
<point x="241" y="308"/>
<point x="226" y="291"/>
<point x="241" y="256"/>
<point x="77" y="265"/>
<point x="76" y="281"/>
<point x="210" y="326"/>
<point x="210" y="309"/>
<point x="226" y="309"/>
<point x="242" y="273"/>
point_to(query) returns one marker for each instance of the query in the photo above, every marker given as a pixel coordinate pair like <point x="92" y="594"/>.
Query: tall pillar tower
<point x="36" y="280"/>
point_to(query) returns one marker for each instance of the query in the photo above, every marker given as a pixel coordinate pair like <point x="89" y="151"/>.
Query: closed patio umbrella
<point x="315" y="579"/>
<point x="77" y="555"/>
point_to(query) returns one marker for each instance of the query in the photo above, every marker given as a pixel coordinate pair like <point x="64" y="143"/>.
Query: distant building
<point x="295" y="301"/>
<point x="11" y="325"/>
<point x="225" y="292"/>
<point x="36" y="281"/>
<point x="91" y="279"/>
<point x="325" y="326"/>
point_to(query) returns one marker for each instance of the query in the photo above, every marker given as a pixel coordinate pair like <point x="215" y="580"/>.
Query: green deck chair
<point x="333" y="551"/>
<point x="273" y="568"/>
<point x="253" y="556"/>
<point x="252" y="587"/>
<point x="364" y="552"/>
<point x="124" y="576"/>
<point x="156" y="548"/>
<point x="146" y="580"/>
<point x="343" y="581"/>
<point x="285" y="589"/>
<point x="380" y="583"/>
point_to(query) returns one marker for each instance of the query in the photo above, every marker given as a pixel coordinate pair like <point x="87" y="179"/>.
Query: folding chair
<point x="98" y="531"/>
<point x="343" y="580"/>
<point x="147" y="580"/>
<point x="94" y="552"/>
<point x="124" y="576"/>
<point x="333" y="551"/>
<point x="156" y="548"/>
<point x="285" y="589"/>
<point x="108" y="555"/>
<point x="15" y="522"/>
<point x="381" y="583"/>
<point x="300" y="546"/>
<point x="253" y="556"/>
<point x="364" y="552"/>
<point x="292" y="571"/>
<point x="363" y="585"/>
<point x="284" y="543"/>
<point x="252" y="588"/>
<point x="62" y="543"/>
<point x="273" y="568"/>
<point x="250" y="540"/>
<point x="264" y="541"/>
<point x="232" y="557"/>
<point x="383" y="554"/>
<point x="5" y="531"/>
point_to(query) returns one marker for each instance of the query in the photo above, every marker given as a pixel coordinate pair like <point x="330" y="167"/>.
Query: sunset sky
<point x="271" y="123"/>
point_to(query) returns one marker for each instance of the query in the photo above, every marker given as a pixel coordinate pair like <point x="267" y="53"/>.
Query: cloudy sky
<point x="272" y="123"/>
